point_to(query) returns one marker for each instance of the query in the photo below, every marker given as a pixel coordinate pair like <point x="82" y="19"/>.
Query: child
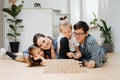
<point x="36" y="56"/>
<point x="67" y="45"/>
<point x="29" y="58"/>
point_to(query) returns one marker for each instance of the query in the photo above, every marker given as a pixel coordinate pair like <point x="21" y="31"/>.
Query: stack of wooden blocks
<point x="62" y="66"/>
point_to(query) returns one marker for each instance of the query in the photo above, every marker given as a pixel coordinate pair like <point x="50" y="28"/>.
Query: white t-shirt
<point x="72" y="42"/>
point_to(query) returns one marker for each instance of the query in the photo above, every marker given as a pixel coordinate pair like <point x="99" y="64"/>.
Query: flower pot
<point x="108" y="47"/>
<point x="14" y="46"/>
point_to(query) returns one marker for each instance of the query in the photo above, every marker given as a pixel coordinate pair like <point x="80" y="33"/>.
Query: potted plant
<point x="14" y="25"/>
<point x="106" y="35"/>
<point x="94" y="22"/>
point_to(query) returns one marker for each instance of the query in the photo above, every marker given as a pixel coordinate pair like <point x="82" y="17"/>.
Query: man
<point x="93" y="55"/>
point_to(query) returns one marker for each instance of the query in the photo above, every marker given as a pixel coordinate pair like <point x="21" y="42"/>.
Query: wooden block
<point x="62" y="66"/>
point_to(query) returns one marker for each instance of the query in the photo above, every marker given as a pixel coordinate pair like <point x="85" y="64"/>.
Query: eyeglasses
<point x="78" y="34"/>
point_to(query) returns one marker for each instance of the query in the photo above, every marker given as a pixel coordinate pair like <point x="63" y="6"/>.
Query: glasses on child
<point x="78" y="34"/>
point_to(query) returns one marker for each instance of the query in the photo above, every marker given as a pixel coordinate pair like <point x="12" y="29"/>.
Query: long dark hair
<point x="35" y="38"/>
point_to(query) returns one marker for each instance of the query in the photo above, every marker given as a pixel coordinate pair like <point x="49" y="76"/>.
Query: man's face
<point x="80" y="35"/>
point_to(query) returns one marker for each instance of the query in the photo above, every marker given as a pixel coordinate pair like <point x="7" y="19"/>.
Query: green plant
<point x="105" y="32"/>
<point x="94" y="21"/>
<point x="14" y="21"/>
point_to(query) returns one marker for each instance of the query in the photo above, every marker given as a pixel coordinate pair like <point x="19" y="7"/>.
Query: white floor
<point x="12" y="70"/>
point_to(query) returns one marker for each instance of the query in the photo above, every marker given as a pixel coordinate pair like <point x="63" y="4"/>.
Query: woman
<point x="46" y="43"/>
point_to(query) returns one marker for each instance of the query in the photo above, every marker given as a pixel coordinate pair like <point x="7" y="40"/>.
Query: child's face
<point x="37" y="52"/>
<point x="66" y="31"/>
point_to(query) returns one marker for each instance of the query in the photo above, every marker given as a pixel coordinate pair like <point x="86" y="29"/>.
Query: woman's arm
<point x="52" y="50"/>
<point x="53" y="54"/>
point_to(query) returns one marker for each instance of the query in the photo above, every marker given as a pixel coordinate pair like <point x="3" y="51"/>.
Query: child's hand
<point x="77" y="55"/>
<point x="70" y="55"/>
<point x="37" y="57"/>
<point x="42" y="58"/>
<point x="43" y="63"/>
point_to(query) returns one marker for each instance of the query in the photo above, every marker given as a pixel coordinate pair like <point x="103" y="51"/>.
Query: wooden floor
<point x="12" y="70"/>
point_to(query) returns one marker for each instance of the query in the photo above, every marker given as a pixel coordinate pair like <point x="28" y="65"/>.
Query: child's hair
<point x="64" y="22"/>
<point x="31" y="59"/>
<point x="35" y="38"/>
<point x="81" y="24"/>
<point x="63" y="18"/>
<point x="31" y="48"/>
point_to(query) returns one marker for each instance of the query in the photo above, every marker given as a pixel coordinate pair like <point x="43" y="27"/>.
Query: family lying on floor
<point x="78" y="45"/>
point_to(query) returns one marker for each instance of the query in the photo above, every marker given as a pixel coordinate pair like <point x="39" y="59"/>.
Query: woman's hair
<point x="35" y="38"/>
<point x="81" y="24"/>
<point x="64" y="22"/>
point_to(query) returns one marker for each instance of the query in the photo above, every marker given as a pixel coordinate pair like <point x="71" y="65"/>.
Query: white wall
<point x="34" y="21"/>
<point x="114" y="21"/>
<point x="5" y="39"/>
<point x="75" y="11"/>
<point x="1" y="31"/>
<point x="62" y="5"/>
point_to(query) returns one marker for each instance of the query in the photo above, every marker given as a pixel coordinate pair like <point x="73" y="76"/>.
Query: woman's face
<point x="44" y="43"/>
<point x="37" y="52"/>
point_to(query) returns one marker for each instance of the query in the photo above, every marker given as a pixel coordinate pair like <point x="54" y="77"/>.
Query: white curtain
<point x="89" y="7"/>
<point x="103" y="9"/>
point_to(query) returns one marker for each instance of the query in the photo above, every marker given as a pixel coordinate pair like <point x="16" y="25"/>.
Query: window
<point x="89" y="6"/>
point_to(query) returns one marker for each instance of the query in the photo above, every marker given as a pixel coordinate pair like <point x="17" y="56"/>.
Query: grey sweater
<point x="91" y="50"/>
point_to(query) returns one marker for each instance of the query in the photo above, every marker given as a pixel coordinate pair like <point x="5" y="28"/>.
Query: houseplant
<point x="106" y="35"/>
<point x="94" y="22"/>
<point x="14" y="25"/>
